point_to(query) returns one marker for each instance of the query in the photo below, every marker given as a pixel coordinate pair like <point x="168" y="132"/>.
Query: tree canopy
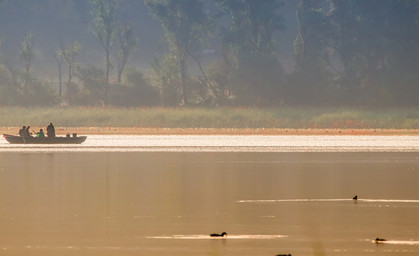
<point x="212" y="52"/>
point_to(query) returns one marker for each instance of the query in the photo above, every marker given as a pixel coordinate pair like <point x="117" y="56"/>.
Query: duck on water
<point x="379" y="240"/>
<point x="219" y="235"/>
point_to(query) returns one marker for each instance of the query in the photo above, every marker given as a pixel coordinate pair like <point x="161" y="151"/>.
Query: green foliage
<point x="374" y="40"/>
<point x="135" y="91"/>
<point x="95" y="91"/>
<point x="70" y="52"/>
<point x="95" y="86"/>
<point x="249" y="50"/>
<point x="347" y="53"/>
<point x="8" y="94"/>
<point x="310" y="83"/>
<point x="186" y="24"/>
<point x="27" y="53"/>
<point x="356" y="53"/>
<point x="127" y="44"/>
<point x="105" y="28"/>
<point x="220" y="76"/>
<point x="253" y="24"/>
<point x="20" y="89"/>
<point x="168" y="79"/>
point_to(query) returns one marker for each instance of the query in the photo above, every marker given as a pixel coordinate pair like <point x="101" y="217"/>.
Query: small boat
<point x="13" y="139"/>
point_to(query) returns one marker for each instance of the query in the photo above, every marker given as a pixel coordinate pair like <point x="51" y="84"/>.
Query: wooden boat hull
<point x="13" y="139"/>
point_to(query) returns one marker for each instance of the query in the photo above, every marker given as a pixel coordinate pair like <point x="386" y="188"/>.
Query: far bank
<point x="217" y="120"/>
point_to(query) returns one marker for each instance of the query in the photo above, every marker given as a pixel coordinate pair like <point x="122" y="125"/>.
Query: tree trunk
<point x="121" y="67"/>
<point x="183" y="80"/>
<point x="70" y="73"/>
<point x="107" y="66"/>
<point x="59" y="81"/>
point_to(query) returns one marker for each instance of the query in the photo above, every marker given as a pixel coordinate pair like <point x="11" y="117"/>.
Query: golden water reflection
<point x="124" y="203"/>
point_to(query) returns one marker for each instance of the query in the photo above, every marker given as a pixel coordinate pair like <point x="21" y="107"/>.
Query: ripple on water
<point x="200" y="237"/>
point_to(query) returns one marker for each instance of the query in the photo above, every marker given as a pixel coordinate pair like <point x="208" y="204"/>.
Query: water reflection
<point x="228" y="143"/>
<point x="146" y="203"/>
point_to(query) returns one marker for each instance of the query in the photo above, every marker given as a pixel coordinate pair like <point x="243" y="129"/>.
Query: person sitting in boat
<point x="27" y="131"/>
<point x="22" y="131"/>
<point x="40" y="134"/>
<point x="50" y="130"/>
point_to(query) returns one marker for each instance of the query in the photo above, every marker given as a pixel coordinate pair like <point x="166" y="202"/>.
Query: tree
<point x="70" y="53"/>
<point x="253" y="24"/>
<point x="27" y="52"/>
<point x="376" y="42"/>
<point x="309" y="83"/>
<point x="58" y="55"/>
<point x="105" y="28"/>
<point x="167" y="71"/>
<point x="186" y="24"/>
<point x="311" y="42"/>
<point x="135" y="91"/>
<point x="127" y="44"/>
<point x="95" y="85"/>
<point x="249" y="48"/>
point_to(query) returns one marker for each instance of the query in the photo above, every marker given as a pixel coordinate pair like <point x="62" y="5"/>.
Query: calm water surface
<point x="272" y="194"/>
<point x="228" y="143"/>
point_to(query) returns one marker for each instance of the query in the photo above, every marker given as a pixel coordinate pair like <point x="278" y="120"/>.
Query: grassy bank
<point x="302" y="118"/>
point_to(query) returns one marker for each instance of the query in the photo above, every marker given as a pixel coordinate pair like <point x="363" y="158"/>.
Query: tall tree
<point x="105" y="28"/>
<point x="313" y="29"/>
<point x="27" y="52"/>
<point x="127" y="44"/>
<point x="70" y="52"/>
<point x="253" y="24"/>
<point x="186" y="24"/>
<point x="58" y="55"/>
<point x="309" y="83"/>
<point x="249" y="46"/>
<point x="376" y="42"/>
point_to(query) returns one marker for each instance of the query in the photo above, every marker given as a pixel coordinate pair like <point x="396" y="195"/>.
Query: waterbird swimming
<point x="355" y="197"/>
<point x="379" y="240"/>
<point x="219" y="235"/>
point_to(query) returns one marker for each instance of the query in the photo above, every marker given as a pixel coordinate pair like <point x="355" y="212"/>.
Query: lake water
<point x="228" y="143"/>
<point x="164" y="195"/>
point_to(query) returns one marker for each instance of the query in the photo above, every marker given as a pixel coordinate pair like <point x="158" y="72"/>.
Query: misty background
<point x="131" y="53"/>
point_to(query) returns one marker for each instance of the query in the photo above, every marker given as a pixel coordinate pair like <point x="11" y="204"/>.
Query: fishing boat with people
<point x="25" y="137"/>
<point x="14" y="139"/>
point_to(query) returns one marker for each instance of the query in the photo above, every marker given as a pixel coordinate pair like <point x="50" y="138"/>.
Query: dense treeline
<point x="218" y="53"/>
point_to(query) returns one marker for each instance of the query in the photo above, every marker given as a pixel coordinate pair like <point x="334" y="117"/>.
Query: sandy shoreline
<point x="214" y="131"/>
